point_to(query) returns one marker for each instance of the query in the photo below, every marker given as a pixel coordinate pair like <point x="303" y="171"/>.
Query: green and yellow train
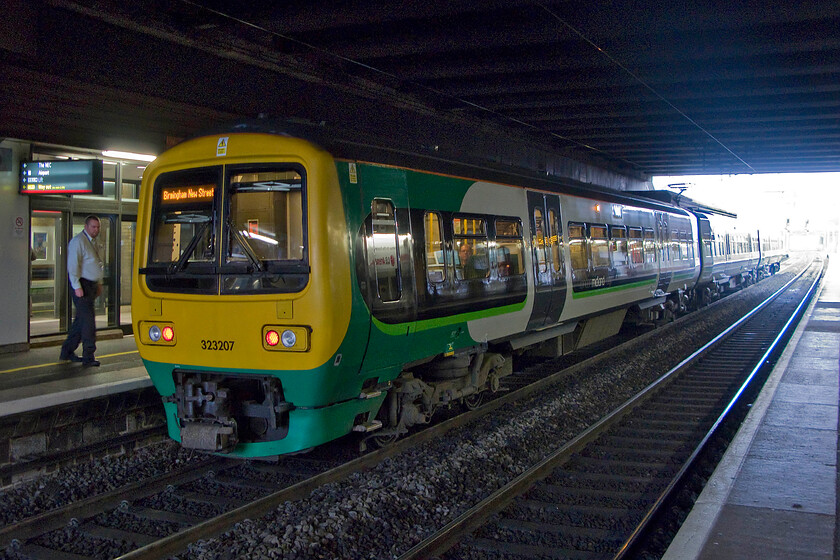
<point x="287" y="291"/>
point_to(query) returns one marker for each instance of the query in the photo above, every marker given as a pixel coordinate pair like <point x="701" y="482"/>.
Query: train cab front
<point x="236" y="255"/>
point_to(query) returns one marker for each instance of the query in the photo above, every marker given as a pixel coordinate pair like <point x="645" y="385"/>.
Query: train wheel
<point x="473" y="401"/>
<point x="384" y="440"/>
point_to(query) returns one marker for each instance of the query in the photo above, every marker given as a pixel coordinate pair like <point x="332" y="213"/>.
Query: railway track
<point x="153" y="520"/>
<point x="596" y="496"/>
<point x="140" y="514"/>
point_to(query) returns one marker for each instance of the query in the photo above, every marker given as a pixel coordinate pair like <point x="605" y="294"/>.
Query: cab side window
<point x="383" y="250"/>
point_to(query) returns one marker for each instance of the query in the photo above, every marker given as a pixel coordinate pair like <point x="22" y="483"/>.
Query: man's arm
<point x="74" y="264"/>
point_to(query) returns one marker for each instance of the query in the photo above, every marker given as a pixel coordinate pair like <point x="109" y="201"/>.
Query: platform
<point x="37" y="380"/>
<point x="774" y="494"/>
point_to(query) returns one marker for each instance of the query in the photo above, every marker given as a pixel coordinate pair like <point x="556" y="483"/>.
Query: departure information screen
<point x="61" y="177"/>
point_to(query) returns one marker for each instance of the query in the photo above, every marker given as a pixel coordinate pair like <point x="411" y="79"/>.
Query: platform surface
<point x="774" y="494"/>
<point x="37" y="379"/>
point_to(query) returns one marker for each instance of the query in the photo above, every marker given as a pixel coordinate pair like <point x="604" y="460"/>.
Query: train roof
<point x="384" y="149"/>
<point x="679" y="199"/>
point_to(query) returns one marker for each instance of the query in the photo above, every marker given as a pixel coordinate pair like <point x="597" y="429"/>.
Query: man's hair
<point x="90" y="218"/>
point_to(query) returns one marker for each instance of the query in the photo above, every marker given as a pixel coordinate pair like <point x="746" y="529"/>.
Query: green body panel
<point x="428" y="191"/>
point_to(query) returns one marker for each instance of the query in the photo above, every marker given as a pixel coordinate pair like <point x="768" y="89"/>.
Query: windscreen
<point x="230" y="230"/>
<point x="266" y="215"/>
<point x="183" y="224"/>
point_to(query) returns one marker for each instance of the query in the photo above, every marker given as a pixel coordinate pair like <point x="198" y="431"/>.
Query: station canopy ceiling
<point x="648" y="88"/>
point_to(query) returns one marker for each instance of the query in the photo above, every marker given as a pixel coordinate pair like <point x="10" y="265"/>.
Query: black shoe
<point x="90" y="363"/>
<point x="70" y="358"/>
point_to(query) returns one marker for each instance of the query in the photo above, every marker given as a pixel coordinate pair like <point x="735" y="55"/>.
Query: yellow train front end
<point x="242" y="295"/>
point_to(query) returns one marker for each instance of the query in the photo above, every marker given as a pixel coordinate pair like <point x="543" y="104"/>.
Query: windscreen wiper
<point x="243" y="242"/>
<point x="177" y="267"/>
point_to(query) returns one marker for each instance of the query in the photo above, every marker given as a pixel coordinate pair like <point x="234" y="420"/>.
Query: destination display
<point x="61" y="177"/>
<point x="191" y="193"/>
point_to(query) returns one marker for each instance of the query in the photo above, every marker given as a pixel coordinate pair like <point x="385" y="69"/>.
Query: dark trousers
<point x="83" y="328"/>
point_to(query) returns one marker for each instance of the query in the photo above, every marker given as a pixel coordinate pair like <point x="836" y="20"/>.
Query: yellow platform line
<point x="24" y="368"/>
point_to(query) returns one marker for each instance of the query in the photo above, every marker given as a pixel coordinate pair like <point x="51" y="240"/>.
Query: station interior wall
<point x="14" y="251"/>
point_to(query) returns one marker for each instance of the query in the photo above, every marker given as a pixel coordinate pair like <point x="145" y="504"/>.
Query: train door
<point x="663" y="244"/>
<point x="389" y="268"/>
<point x="548" y="259"/>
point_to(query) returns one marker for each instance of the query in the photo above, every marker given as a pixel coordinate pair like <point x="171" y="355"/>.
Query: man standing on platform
<point x="85" y="269"/>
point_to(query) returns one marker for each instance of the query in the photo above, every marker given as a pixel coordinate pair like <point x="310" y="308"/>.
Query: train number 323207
<point x="223" y="345"/>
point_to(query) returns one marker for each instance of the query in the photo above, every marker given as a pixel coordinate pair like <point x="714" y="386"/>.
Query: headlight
<point x="154" y="333"/>
<point x="288" y="338"/>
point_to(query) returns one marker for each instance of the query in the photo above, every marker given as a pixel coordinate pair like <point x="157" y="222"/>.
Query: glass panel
<point x="635" y="246"/>
<point x="435" y="265"/>
<point x="600" y="249"/>
<point x="383" y="248"/>
<point x="508" y="228"/>
<point x="266" y="212"/>
<point x="45" y="286"/>
<point x="128" y="232"/>
<point x="183" y="218"/>
<point x="465" y="225"/>
<point x="650" y="246"/>
<point x="675" y="246"/>
<point x="509" y="258"/>
<point x="132" y="173"/>
<point x="109" y="179"/>
<point x="538" y="241"/>
<point x="618" y="246"/>
<point x="577" y="247"/>
<point x="473" y="260"/>
<point x="556" y="242"/>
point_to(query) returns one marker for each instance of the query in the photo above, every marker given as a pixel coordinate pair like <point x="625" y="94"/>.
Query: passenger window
<point x="577" y="247"/>
<point x="556" y="243"/>
<point x="463" y="225"/>
<point x="383" y="250"/>
<point x="509" y="258"/>
<point x="599" y="246"/>
<point x="650" y="246"/>
<point x="435" y="266"/>
<point x="618" y="246"/>
<point x="675" y="246"/>
<point x="689" y="246"/>
<point x="635" y="245"/>
<point x="473" y="259"/>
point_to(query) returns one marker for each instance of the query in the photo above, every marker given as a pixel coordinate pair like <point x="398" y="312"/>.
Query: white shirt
<point x="83" y="260"/>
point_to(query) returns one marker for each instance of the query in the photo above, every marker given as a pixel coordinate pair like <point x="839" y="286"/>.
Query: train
<point x="292" y="287"/>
